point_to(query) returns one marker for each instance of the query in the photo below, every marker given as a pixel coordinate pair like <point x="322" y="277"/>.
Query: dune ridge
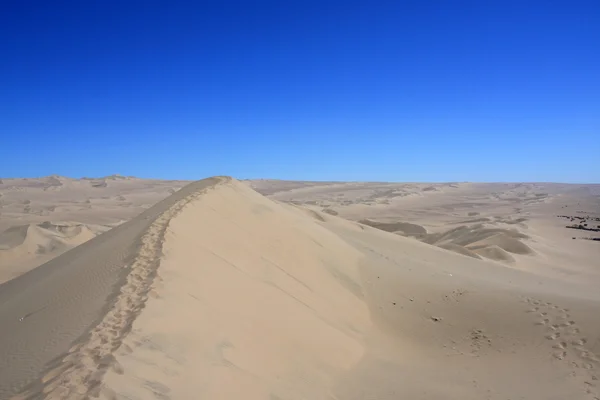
<point x="282" y="294"/>
<point x="71" y="295"/>
<point x="82" y="370"/>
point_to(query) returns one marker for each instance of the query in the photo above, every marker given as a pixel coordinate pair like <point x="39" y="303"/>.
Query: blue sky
<point x="315" y="90"/>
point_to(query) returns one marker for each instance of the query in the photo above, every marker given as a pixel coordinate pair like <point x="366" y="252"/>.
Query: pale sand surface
<point x="221" y="293"/>
<point x="513" y="223"/>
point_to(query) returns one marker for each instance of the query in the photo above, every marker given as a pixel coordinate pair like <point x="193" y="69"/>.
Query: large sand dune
<point x="220" y="293"/>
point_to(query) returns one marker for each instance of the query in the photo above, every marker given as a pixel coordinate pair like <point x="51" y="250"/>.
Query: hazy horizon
<point x="292" y="180"/>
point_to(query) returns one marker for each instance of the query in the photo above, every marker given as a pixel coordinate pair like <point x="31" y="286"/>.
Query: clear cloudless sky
<point x="417" y="90"/>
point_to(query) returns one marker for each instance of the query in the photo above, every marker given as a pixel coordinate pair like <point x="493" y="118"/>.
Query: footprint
<point x="553" y="336"/>
<point x="532" y="310"/>
<point x="543" y="322"/>
<point x="579" y="342"/>
<point x="586" y="355"/>
<point x="117" y="368"/>
<point x="560" y="346"/>
<point x="560" y="355"/>
<point x="125" y="349"/>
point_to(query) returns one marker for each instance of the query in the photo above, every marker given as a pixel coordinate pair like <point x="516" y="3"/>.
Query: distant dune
<point x="24" y="245"/>
<point x="493" y="243"/>
<point x="26" y="204"/>
<point x="404" y="228"/>
<point x="493" y="252"/>
<point x="459" y="249"/>
<point x="218" y="292"/>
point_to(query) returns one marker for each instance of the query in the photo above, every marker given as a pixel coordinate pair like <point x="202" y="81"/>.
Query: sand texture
<point x="317" y="291"/>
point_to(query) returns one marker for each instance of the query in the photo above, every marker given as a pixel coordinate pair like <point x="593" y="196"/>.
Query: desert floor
<point x="122" y="288"/>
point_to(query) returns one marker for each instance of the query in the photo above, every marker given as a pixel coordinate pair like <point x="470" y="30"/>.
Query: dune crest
<point x="282" y="295"/>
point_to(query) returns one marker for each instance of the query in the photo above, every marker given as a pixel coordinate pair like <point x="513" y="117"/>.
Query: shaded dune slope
<point x="404" y="228"/>
<point x="220" y="293"/>
<point x="12" y="237"/>
<point x="474" y="241"/>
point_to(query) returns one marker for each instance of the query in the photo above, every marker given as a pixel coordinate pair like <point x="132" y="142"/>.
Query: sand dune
<point x="13" y="237"/>
<point x="459" y="249"/>
<point x="220" y="293"/>
<point x="493" y="252"/>
<point x="46" y="311"/>
<point x="404" y="228"/>
<point x="492" y="243"/>
<point x="503" y="241"/>
<point x="469" y="240"/>
<point x="269" y="301"/>
<point x="23" y="246"/>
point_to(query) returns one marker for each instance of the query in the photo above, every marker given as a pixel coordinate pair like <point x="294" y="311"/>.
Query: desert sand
<point x="41" y="218"/>
<point x="317" y="291"/>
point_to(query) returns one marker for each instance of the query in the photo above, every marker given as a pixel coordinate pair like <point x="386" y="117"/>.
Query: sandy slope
<point x="271" y="305"/>
<point x="257" y="299"/>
